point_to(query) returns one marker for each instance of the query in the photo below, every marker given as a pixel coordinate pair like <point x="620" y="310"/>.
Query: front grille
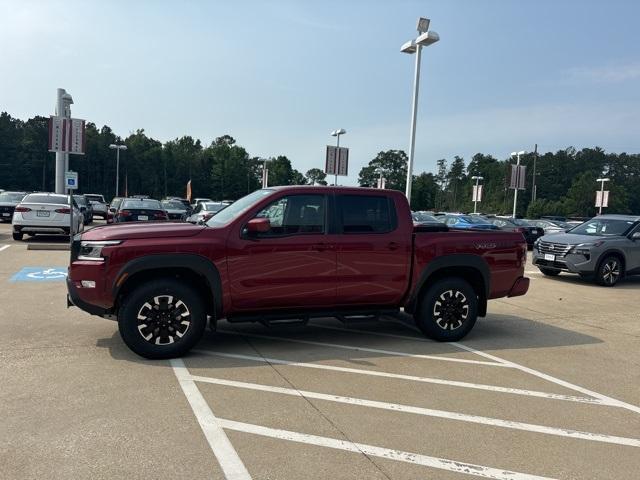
<point x="557" y="249"/>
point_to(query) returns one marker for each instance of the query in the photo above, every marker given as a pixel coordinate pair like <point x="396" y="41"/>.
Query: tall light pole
<point x="475" y="197"/>
<point x="63" y="109"/>
<point x="425" y="38"/>
<point x="265" y="174"/>
<point x="117" y="148"/>
<point x="601" y="180"/>
<point x="337" y="133"/>
<point x="515" y="191"/>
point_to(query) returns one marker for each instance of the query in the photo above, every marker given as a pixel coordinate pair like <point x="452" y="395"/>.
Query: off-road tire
<point x="142" y="325"/>
<point x="448" y="310"/>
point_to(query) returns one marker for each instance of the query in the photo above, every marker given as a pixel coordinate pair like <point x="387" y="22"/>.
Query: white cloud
<point x="605" y="74"/>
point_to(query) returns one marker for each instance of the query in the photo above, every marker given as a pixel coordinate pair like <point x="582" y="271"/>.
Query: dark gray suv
<point x="605" y="248"/>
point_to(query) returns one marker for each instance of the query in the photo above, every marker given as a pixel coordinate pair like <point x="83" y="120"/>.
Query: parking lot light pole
<point x="63" y="109"/>
<point x="337" y="133"/>
<point x="515" y="191"/>
<point x="117" y="148"/>
<point x="265" y="175"/>
<point x="425" y="38"/>
<point x="475" y="197"/>
<point x="601" y="180"/>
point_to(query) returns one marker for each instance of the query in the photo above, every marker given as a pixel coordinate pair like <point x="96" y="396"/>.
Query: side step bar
<point x="348" y="317"/>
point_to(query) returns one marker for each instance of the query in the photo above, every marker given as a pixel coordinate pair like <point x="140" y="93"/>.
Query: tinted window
<point x="39" y="198"/>
<point x="150" y="204"/>
<point x="213" y="207"/>
<point x="95" y="198"/>
<point x="79" y="200"/>
<point x="295" y="214"/>
<point x="605" y="226"/>
<point x="366" y="214"/>
<point x="173" y="205"/>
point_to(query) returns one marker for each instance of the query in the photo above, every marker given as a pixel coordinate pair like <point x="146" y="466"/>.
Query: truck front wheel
<point x="162" y="319"/>
<point x="448" y="310"/>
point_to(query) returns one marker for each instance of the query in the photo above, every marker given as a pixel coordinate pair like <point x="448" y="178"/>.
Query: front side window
<point x="295" y="214"/>
<point x="366" y="214"/>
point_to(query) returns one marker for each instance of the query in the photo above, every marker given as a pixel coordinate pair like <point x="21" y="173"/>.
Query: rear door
<point x="372" y="252"/>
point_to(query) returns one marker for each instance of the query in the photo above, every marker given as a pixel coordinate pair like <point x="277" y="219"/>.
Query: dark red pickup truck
<point x="289" y="254"/>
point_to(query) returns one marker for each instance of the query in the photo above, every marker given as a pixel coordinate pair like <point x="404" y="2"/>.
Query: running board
<point x="348" y="317"/>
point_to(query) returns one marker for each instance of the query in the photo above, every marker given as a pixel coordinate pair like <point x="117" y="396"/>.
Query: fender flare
<point x="447" y="261"/>
<point x="197" y="263"/>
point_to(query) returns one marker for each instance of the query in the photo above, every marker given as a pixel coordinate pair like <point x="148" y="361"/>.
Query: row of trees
<point x="566" y="180"/>
<point x="221" y="170"/>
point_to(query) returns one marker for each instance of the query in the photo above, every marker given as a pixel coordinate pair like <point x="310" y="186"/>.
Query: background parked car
<point x="199" y="200"/>
<point x="175" y="209"/>
<point x="605" y="248"/>
<point x="551" y="226"/>
<point x="85" y="208"/>
<point x="184" y="201"/>
<point x="205" y="210"/>
<point x="113" y="208"/>
<point x="467" y="222"/>
<point x="423" y="217"/>
<point x="45" y="213"/>
<point x="8" y="202"/>
<point x="140" y="210"/>
<point x="531" y="233"/>
<point x="98" y="204"/>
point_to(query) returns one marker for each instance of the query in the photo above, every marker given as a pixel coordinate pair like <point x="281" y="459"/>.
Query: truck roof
<point x="324" y="188"/>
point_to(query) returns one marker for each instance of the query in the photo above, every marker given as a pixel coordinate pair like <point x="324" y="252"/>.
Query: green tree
<point x="393" y="166"/>
<point x="316" y="176"/>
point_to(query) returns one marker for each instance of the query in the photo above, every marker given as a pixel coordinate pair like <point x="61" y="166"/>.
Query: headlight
<point x="90" y="250"/>
<point x="585" y="248"/>
<point x="536" y="243"/>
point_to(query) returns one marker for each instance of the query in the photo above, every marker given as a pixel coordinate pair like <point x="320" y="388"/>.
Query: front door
<point x="293" y="265"/>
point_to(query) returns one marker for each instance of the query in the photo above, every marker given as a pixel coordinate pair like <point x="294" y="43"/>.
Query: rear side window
<point x="366" y="214"/>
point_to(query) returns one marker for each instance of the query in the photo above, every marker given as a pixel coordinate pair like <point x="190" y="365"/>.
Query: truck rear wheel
<point x="162" y="319"/>
<point x="448" y="310"/>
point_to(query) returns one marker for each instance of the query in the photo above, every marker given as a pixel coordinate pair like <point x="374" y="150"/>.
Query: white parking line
<point x="374" y="373"/>
<point x="604" y="399"/>
<point x="428" y="412"/>
<point x="365" y="349"/>
<point x="598" y="397"/>
<point x="228" y="458"/>
<point x="386" y="453"/>
<point x="4" y="247"/>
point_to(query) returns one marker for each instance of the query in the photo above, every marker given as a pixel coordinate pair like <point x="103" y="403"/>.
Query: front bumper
<point x="571" y="262"/>
<point x="73" y="299"/>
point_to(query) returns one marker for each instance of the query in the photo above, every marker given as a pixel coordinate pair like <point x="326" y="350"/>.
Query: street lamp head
<point x="477" y="178"/>
<point x="513" y="154"/>
<point x="603" y="179"/>
<point x="409" y="47"/>
<point x="427" y="39"/>
<point x="340" y="131"/>
<point x="423" y="24"/>
<point x="118" y="147"/>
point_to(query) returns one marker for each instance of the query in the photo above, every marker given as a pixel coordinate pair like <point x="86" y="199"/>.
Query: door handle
<point x="393" y="246"/>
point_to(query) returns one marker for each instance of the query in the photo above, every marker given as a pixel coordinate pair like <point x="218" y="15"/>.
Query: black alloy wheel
<point x="448" y="310"/>
<point x="162" y="319"/>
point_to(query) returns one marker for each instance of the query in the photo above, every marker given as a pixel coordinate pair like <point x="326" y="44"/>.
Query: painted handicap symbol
<point x="47" y="274"/>
<point x="40" y="274"/>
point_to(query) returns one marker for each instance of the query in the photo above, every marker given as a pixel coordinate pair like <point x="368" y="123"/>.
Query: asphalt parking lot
<point x="547" y="386"/>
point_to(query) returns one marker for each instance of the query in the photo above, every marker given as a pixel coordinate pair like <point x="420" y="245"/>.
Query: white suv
<point x="46" y="213"/>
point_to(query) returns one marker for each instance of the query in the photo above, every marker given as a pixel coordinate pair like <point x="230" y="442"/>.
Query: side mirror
<point x="635" y="236"/>
<point x="258" y="225"/>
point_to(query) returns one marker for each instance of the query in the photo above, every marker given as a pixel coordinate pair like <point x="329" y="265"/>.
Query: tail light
<point x="124" y="213"/>
<point x="63" y="210"/>
<point x="22" y="209"/>
<point x="160" y="215"/>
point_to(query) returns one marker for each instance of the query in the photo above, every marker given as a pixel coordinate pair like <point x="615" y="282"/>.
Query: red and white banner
<point x="476" y="196"/>
<point x="602" y="198"/>
<point x="66" y="135"/>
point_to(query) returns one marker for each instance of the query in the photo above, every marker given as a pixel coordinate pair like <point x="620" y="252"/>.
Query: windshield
<point x="11" y="197"/>
<point x="79" y="200"/>
<point x="423" y="217"/>
<point x="237" y="208"/>
<point x="95" y="198"/>
<point x="213" y="207"/>
<point x="604" y="227"/>
<point x="134" y="204"/>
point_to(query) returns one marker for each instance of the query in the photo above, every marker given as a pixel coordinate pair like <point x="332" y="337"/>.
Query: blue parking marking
<point x="40" y="274"/>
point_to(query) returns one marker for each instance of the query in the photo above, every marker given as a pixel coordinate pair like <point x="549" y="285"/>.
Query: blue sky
<point x="280" y="75"/>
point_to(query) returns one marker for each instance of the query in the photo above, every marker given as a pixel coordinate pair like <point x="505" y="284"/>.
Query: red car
<point x="290" y="254"/>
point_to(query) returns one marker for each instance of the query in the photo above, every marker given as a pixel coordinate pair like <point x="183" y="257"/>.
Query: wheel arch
<point x="612" y="252"/>
<point x="196" y="270"/>
<point x="471" y="268"/>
